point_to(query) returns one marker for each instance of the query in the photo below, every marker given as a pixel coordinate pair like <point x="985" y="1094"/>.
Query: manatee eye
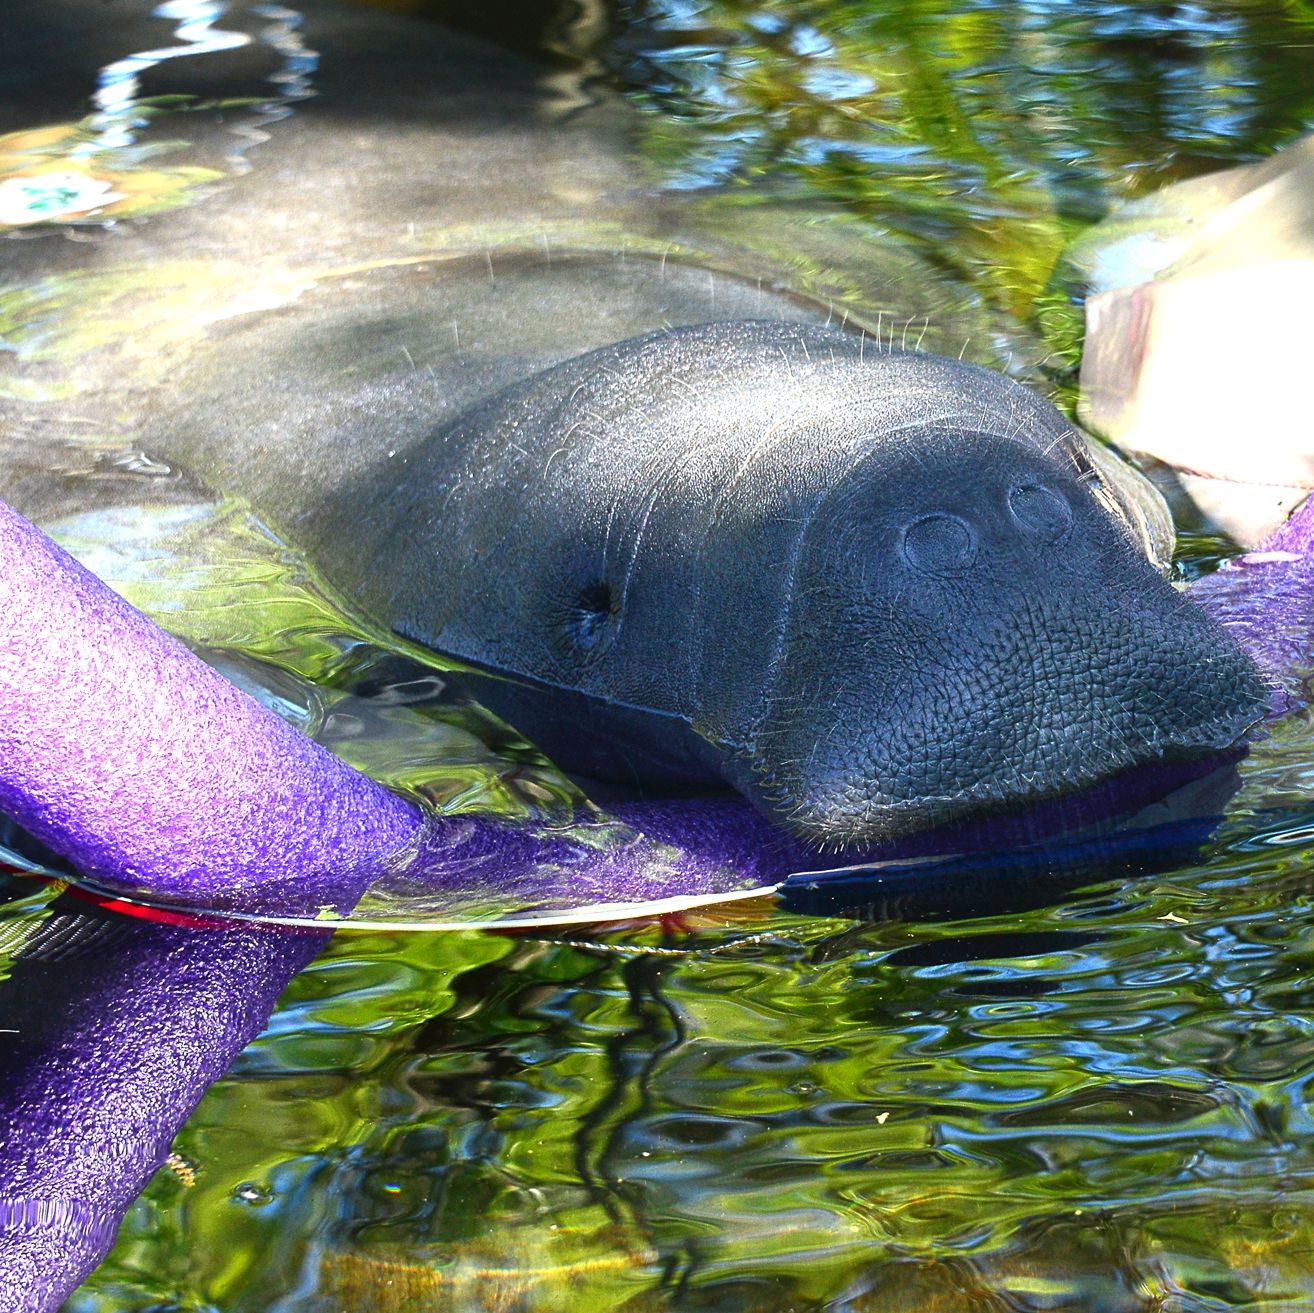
<point x="592" y="615"/>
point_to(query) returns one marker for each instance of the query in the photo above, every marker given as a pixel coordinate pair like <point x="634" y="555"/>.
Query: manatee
<point x="656" y="561"/>
<point x="873" y="590"/>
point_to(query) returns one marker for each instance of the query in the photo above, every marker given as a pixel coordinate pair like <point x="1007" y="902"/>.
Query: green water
<point x="1099" y="1103"/>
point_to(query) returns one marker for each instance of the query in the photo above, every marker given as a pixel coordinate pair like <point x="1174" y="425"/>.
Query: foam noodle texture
<point x="127" y="754"/>
<point x="119" y="1028"/>
<point x="135" y="760"/>
<point x="1266" y="598"/>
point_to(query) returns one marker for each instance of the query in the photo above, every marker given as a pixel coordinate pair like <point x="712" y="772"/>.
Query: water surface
<point x="1092" y="1099"/>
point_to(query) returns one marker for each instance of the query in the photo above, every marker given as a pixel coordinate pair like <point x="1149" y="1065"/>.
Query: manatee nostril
<point x="939" y="544"/>
<point x="1040" y="510"/>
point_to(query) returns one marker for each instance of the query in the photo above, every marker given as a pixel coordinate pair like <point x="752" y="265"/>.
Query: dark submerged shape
<point x="874" y="591"/>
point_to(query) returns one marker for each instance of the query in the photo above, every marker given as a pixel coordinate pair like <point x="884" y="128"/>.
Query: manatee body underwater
<point x="873" y="590"/>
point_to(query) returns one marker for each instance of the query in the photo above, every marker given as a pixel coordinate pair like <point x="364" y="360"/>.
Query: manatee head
<point x="977" y="617"/>
<point x="873" y="591"/>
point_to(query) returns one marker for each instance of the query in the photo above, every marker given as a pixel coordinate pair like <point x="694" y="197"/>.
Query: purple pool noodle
<point x="1266" y="598"/>
<point x="128" y="755"/>
<point x="114" y="1048"/>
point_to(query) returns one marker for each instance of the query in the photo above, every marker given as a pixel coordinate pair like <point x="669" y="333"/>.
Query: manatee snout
<point x="975" y="627"/>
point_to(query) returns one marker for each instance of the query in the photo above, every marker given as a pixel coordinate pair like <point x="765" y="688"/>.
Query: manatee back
<point x="291" y="406"/>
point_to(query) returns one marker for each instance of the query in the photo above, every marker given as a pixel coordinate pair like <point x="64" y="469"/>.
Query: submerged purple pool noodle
<point x="127" y="754"/>
<point x="106" y="1053"/>
<point x="1266" y="598"/>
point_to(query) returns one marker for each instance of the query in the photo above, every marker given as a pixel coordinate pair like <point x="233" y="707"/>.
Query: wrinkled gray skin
<point x="872" y="590"/>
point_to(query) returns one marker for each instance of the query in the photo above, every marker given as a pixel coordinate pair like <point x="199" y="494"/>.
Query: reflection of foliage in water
<point x="1100" y="1102"/>
<point x="988" y="134"/>
<point x="61" y="175"/>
